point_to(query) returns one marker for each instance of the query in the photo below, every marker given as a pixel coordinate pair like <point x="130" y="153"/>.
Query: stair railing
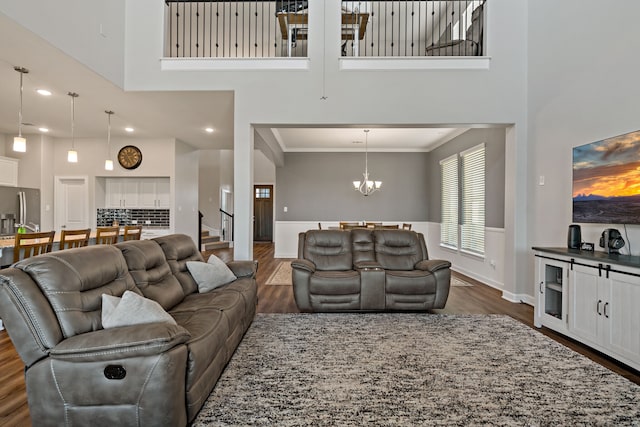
<point x="225" y="218"/>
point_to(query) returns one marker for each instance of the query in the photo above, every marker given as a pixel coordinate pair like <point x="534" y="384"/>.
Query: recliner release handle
<point x="115" y="372"/>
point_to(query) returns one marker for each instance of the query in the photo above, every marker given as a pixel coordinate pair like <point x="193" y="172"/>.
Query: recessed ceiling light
<point x="43" y="130"/>
<point x="129" y="129"/>
<point x="210" y="130"/>
<point x="44" y="92"/>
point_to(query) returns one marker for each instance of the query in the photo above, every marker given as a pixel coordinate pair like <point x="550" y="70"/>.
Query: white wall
<point x="264" y="171"/>
<point x="157" y="160"/>
<point x="46" y="158"/>
<point x="209" y="188"/>
<point x="91" y="31"/>
<point x="583" y="87"/>
<point x="185" y="191"/>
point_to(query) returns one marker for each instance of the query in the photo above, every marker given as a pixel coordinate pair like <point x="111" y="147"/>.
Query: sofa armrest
<point x="303" y="264"/>
<point x="118" y="343"/>
<point x="243" y="268"/>
<point x="432" y="265"/>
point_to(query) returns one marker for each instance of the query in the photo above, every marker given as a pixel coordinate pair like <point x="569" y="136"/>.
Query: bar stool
<point x="107" y="235"/>
<point x="32" y="244"/>
<point x="132" y="232"/>
<point x="74" y="238"/>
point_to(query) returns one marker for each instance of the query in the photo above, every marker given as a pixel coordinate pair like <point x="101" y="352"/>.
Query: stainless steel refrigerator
<point x="23" y="204"/>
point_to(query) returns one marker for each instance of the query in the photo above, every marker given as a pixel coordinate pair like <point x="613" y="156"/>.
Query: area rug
<point x="459" y="282"/>
<point x="281" y="275"/>
<point x="400" y="369"/>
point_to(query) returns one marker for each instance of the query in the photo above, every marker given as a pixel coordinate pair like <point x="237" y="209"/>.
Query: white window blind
<point x="473" y="174"/>
<point x="449" y="202"/>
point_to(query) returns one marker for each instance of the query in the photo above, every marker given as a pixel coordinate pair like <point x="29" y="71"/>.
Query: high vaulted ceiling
<point x="183" y="115"/>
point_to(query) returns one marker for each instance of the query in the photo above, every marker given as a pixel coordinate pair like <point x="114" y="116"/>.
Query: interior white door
<point x="71" y="203"/>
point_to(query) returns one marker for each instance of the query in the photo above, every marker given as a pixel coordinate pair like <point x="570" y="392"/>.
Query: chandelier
<point x="366" y="186"/>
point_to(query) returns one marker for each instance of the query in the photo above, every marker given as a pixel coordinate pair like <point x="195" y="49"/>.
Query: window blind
<point x="473" y="202"/>
<point x="449" y="202"/>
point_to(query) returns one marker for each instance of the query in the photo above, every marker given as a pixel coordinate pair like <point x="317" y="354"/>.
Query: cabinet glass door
<point x="553" y="291"/>
<point x="551" y="300"/>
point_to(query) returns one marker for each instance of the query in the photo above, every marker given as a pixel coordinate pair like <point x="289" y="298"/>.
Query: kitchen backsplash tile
<point x="159" y="217"/>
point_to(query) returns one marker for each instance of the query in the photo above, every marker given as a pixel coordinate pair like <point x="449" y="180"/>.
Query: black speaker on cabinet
<point x="574" y="237"/>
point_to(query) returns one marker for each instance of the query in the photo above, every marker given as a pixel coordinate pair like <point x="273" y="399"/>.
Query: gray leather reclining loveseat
<point x="154" y="374"/>
<point x="367" y="270"/>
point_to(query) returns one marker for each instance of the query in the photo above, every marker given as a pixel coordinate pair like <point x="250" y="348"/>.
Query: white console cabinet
<point x="596" y="302"/>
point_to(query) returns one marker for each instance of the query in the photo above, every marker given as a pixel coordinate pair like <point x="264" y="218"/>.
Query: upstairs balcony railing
<point x="270" y="29"/>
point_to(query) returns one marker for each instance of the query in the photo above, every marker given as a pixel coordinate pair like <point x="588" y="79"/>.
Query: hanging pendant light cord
<point x="73" y="96"/>
<point x="20" y="112"/>
<point x="366" y="153"/>
<point x="109" y="113"/>
<point x="22" y="72"/>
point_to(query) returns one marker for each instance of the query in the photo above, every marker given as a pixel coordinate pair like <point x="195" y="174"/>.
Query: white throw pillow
<point x="132" y="309"/>
<point x="211" y="274"/>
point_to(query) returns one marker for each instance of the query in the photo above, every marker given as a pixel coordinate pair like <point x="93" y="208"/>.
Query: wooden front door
<point x="263" y="213"/>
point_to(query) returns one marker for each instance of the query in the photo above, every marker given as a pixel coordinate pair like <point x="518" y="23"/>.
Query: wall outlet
<point x="286" y="209"/>
<point x="134" y="221"/>
<point x="148" y="222"/>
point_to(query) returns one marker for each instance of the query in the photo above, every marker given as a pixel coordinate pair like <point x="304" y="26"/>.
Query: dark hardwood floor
<point x="477" y="299"/>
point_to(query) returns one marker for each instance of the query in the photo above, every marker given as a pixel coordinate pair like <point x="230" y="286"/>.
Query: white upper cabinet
<point x="8" y="171"/>
<point x="155" y="193"/>
<point x="138" y="193"/>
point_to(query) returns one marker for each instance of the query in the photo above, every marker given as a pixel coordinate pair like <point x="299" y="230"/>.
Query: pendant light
<point x="72" y="155"/>
<point x="366" y="186"/>
<point x="19" y="142"/>
<point x="108" y="164"/>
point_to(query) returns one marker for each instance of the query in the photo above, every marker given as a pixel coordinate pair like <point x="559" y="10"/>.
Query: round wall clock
<point x="130" y="157"/>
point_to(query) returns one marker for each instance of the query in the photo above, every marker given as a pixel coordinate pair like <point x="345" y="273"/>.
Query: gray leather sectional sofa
<point x="154" y="374"/>
<point x="367" y="270"/>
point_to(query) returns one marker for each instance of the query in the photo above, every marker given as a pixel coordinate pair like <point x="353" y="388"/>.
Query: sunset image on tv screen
<point x="606" y="180"/>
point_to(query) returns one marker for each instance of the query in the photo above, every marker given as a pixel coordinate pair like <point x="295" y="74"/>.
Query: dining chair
<point x="352" y="226"/>
<point x="387" y="227"/>
<point x="346" y="225"/>
<point x="74" y="238"/>
<point x="32" y="244"/>
<point x="107" y="235"/>
<point x="406" y="226"/>
<point x="132" y="232"/>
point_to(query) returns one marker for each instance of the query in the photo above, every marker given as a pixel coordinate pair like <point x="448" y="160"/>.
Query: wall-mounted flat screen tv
<point x="606" y="180"/>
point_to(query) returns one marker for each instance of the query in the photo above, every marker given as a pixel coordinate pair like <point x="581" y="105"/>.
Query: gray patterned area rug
<point x="412" y="370"/>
